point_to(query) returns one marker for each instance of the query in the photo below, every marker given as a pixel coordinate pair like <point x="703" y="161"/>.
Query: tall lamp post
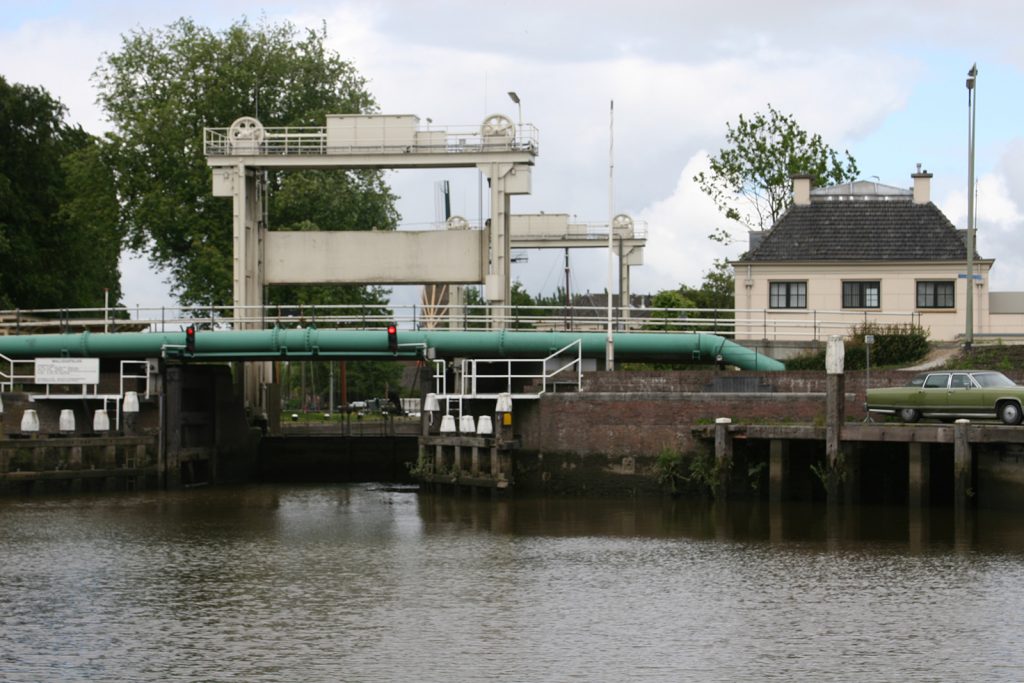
<point x="515" y="98"/>
<point x="972" y="76"/>
<point x="609" y="353"/>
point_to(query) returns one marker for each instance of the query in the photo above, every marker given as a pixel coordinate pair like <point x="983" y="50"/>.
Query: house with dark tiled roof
<point x="861" y="251"/>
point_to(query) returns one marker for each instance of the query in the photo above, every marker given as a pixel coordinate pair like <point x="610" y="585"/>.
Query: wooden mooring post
<point x="963" y="485"/>
<point x="835" y="399"/>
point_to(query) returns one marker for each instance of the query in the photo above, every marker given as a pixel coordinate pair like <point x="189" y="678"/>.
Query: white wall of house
<point x="824" y="313"/>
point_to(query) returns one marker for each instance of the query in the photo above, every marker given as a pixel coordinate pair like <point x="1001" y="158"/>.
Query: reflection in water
<point x="365" y="583"/>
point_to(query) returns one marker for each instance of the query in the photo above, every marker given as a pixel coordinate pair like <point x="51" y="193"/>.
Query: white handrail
<point x="805" y="324"/>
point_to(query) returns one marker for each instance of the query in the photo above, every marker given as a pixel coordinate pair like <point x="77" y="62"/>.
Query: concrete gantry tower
<point x="240" y="155"/>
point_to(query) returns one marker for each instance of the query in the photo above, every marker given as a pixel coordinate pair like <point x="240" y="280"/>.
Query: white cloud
<point x="679" y="251"/>
<point x="1000" y="218"/>
<point x="677" y="72"/>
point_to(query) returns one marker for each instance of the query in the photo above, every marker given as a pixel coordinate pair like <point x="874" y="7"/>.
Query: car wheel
<point x="1010" y="413"/>
<point x="910" y="414"/>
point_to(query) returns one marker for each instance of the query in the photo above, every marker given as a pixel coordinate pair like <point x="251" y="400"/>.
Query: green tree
<point x="668" y="299"/>
<point x="163" y="87"/>
<point x="58" y="244"/>
<point x="716" y="290"/>
<point x="306" y="384"/>
<point x="750" y="178"/>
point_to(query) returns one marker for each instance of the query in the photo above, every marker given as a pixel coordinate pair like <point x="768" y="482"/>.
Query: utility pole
<point x="609" y="355"/>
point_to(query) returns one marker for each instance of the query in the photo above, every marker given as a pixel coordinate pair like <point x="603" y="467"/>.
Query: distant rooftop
<point x="860" y="189"/>
<point x="860" y="221"/>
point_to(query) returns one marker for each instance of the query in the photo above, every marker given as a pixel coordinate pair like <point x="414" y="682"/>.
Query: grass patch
<point x="1002" y="357"/>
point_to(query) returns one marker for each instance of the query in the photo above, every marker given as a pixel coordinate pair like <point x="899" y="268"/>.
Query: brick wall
<point x="641" y="413"/>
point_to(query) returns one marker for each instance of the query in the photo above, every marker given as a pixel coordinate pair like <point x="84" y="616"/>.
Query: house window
<point x="861" y="294"/>
<point x="935" y="294"/>
<point x="787" y="295"/>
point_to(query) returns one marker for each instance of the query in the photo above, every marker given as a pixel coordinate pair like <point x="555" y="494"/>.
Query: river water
<point x="369" y="583"/>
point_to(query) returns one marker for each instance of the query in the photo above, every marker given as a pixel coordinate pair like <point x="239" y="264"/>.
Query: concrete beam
<point x="344" y="257"/>
<point x="380" y="160"/>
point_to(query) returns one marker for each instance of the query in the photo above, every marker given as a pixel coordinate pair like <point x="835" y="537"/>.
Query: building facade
<point x="861" y="252"/>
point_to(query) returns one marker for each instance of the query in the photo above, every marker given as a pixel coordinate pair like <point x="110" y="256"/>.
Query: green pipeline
<point x="373" y="344"/>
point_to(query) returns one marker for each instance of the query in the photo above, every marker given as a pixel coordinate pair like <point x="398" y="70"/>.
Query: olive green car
<point x="951" y="394"/>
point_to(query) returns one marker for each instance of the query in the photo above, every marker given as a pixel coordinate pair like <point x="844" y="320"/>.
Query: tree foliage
<point x="59" y="246"/>
<point x="895" y="345"/>
<point x="306" y="385"/>
<point x="716" y="290"/>
<point x="750" y="178"/>
<point x="163" y="87"/>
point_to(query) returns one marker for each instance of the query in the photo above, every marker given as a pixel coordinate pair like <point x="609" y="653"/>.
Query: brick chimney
<point x="922" y="186"/>
<point x="802" y="189"/>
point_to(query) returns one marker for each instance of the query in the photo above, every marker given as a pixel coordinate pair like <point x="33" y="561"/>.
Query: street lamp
<point x="972" y="76"/>
<point x="515" y="98"/>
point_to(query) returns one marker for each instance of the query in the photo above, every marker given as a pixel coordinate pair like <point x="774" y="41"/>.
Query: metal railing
<point x="505" y="375"/>
<point x="487" y="378"/>
<point x="313" y="140"/>
<point x="759" y="324"/>
<point x="9" y="375"/>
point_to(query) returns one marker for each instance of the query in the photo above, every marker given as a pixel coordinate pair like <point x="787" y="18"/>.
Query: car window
<point x="993" y="379"/>
<point x="960" y="381"/>
<point x="938" y="380"/>
<point x="918" y="381"/>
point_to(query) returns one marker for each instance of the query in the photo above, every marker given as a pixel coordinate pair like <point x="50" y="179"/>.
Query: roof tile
<point x="861" y="230"/>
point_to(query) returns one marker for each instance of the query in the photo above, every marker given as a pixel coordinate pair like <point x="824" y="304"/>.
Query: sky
<point x="882" y="80"/>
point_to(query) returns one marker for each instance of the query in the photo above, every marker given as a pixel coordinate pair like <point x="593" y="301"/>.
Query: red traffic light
<point x="190" y="339"/>
<point x="393" y="338"/>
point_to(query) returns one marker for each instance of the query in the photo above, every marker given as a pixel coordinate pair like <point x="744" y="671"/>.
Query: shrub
<point x="894" y="345"/>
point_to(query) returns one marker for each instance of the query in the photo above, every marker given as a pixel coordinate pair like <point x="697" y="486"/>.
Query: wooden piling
<point x="963" y="485"/>
<point x="919" y="474"/>
<point x="723" y="455"/>
<point x="778" y="459"/>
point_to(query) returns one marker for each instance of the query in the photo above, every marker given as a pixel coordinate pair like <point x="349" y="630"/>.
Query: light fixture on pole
<point x="972" y="97"/>
<point x="515" y="98"/>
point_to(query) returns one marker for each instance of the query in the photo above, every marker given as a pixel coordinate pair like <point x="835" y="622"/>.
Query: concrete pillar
<point x="438" y="459"/>
<point x="963" y="486"/>
<point x="623" y="286"/>
<point x="778" y="459"/>
<point x="919" y="475"/>
<point x="457" y="460"/>
<point x="474" y="467"/>
<point x="456" y="307"/>
<point x="723" y="455"/>
<point x="498" y="282"/>
<point x="248" y="234"/>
